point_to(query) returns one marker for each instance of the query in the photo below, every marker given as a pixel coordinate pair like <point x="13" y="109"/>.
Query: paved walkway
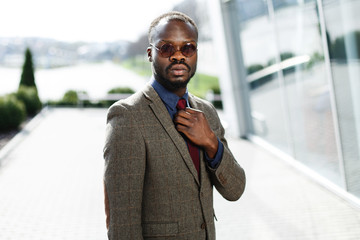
<point x="51" y="188"/>
<point x="51" y="182"/>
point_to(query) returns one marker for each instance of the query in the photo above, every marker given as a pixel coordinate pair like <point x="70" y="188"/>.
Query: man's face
<point x="173" y="72"/>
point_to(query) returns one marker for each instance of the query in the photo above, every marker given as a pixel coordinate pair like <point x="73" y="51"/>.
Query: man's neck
<point x="180" y="92"/>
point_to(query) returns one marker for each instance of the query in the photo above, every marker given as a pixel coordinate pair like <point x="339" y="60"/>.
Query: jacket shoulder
<point x="203" y="104"/>
<point x="132" y="103"/>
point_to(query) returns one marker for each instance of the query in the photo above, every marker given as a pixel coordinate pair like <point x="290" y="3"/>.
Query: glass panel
<point x="307" y="88"/>
<point x="259" y="51"/>
<point x="343" y="34"/>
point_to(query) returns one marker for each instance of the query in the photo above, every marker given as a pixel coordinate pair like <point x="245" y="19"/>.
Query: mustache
<point x="175" y="62"/>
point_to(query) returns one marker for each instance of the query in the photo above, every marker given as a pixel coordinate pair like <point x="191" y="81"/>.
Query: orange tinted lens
<point x="188" y="49"/>
<point x="167" y="50"/>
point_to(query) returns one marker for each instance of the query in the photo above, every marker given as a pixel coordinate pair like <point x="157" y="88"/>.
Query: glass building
<point x="291" y="71"/>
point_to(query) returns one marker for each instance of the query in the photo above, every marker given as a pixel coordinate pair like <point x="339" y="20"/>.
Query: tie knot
<point x="181" y="104"/>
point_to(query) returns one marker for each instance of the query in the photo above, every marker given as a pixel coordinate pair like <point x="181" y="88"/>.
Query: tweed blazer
<point x="152" y="188"/>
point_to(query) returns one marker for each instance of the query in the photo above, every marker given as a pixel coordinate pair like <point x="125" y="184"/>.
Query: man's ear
<point x="148" y="50"/>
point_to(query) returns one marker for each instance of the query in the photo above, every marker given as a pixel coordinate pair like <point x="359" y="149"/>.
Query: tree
<point x="27" y="75"/>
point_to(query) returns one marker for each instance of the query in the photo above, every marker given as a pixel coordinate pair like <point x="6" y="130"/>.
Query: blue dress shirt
<point x="170" y="100"/>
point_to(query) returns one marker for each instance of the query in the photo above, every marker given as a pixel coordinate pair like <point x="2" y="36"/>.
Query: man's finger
<point x="181" y="128"/>
<point x="181" y="120"/>
<point x="192" y="110"/>
<point x="184" y="114"/>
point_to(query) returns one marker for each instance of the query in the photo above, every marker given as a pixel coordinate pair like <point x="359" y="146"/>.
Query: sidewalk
<point x="282" y="203"/>
<point x="51" y="183"/>
<point x="51" y="188"/>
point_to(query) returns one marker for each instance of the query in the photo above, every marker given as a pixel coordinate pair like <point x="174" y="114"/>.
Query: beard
<point x="172" y="85"/>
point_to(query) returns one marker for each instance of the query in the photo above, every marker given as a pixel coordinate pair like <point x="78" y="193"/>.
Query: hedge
<point x="12" y="112"/>
<point x="29" y="96"/>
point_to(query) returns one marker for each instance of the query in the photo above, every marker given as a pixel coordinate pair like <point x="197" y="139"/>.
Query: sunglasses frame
<point x="174" y="49"/>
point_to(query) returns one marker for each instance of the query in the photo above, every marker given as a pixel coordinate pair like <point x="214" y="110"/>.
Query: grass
<point x="139" y="65"/>
<point x="199" y="84"/>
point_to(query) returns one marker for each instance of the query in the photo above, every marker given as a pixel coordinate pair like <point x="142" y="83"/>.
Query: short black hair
<point x="170" y="16"/>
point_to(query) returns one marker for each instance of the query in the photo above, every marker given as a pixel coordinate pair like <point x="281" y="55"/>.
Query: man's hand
<point x="195" y="126"/>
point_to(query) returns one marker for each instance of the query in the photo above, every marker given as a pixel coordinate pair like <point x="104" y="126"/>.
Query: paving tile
<point x="282" y="203"/>
<point x="51" y="188"/>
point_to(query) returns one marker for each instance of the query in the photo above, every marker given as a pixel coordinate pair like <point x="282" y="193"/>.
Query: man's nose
<point x="177" y="56"/>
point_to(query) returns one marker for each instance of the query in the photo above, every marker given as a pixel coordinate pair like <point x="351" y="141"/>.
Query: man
<point x="162" y="158"/>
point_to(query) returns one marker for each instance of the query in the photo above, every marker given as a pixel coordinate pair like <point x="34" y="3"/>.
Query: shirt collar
<point x="169" y="98"/>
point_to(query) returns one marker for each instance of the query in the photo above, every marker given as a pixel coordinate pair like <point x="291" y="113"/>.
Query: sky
<point x="80" y="20"/>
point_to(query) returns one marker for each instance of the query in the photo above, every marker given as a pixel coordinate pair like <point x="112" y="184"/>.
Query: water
<point x="96" y="79"/>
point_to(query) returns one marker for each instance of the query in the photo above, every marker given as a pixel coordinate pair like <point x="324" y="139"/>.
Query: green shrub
<point x="254" y="68"/>
<point x="70" y="98"/>
<point x="121" y="90"/>
<point x="108" y="103"/>
<point x="29" y="96"/>
<point x="52" y="103"/>
<point x="217" y="103"/>
<point x="12" y="112"/>
<point x="286" y="55"/>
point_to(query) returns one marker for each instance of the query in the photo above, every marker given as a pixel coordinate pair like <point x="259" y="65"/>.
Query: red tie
<point x="193" y="149"/>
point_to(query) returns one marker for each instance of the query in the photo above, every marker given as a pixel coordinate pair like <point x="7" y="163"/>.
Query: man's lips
<point x="178" y="69"/>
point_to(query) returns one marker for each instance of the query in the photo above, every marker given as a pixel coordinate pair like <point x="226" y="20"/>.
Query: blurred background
<point x="78" y="45"/>
<point x="283" y="74"/>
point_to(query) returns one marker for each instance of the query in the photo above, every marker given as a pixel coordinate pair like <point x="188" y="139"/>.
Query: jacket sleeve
<point x="229" y="177"/>
<point x="124" y="155"/>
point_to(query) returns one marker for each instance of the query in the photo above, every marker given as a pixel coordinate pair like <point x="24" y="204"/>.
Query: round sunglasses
<point x="167" y="50"/>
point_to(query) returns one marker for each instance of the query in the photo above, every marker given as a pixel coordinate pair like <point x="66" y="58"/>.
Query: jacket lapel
<point x="164" y="118"/>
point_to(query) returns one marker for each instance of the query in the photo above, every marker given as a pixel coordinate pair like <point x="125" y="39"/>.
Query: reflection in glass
<point x="290" y="92"/>
<point x="307" y="89"/>
<point x="342" y="20"/>
<point x="259" y="51"/>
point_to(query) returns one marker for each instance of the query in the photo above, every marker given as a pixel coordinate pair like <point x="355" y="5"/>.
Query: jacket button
<point x="203" y="226"/>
